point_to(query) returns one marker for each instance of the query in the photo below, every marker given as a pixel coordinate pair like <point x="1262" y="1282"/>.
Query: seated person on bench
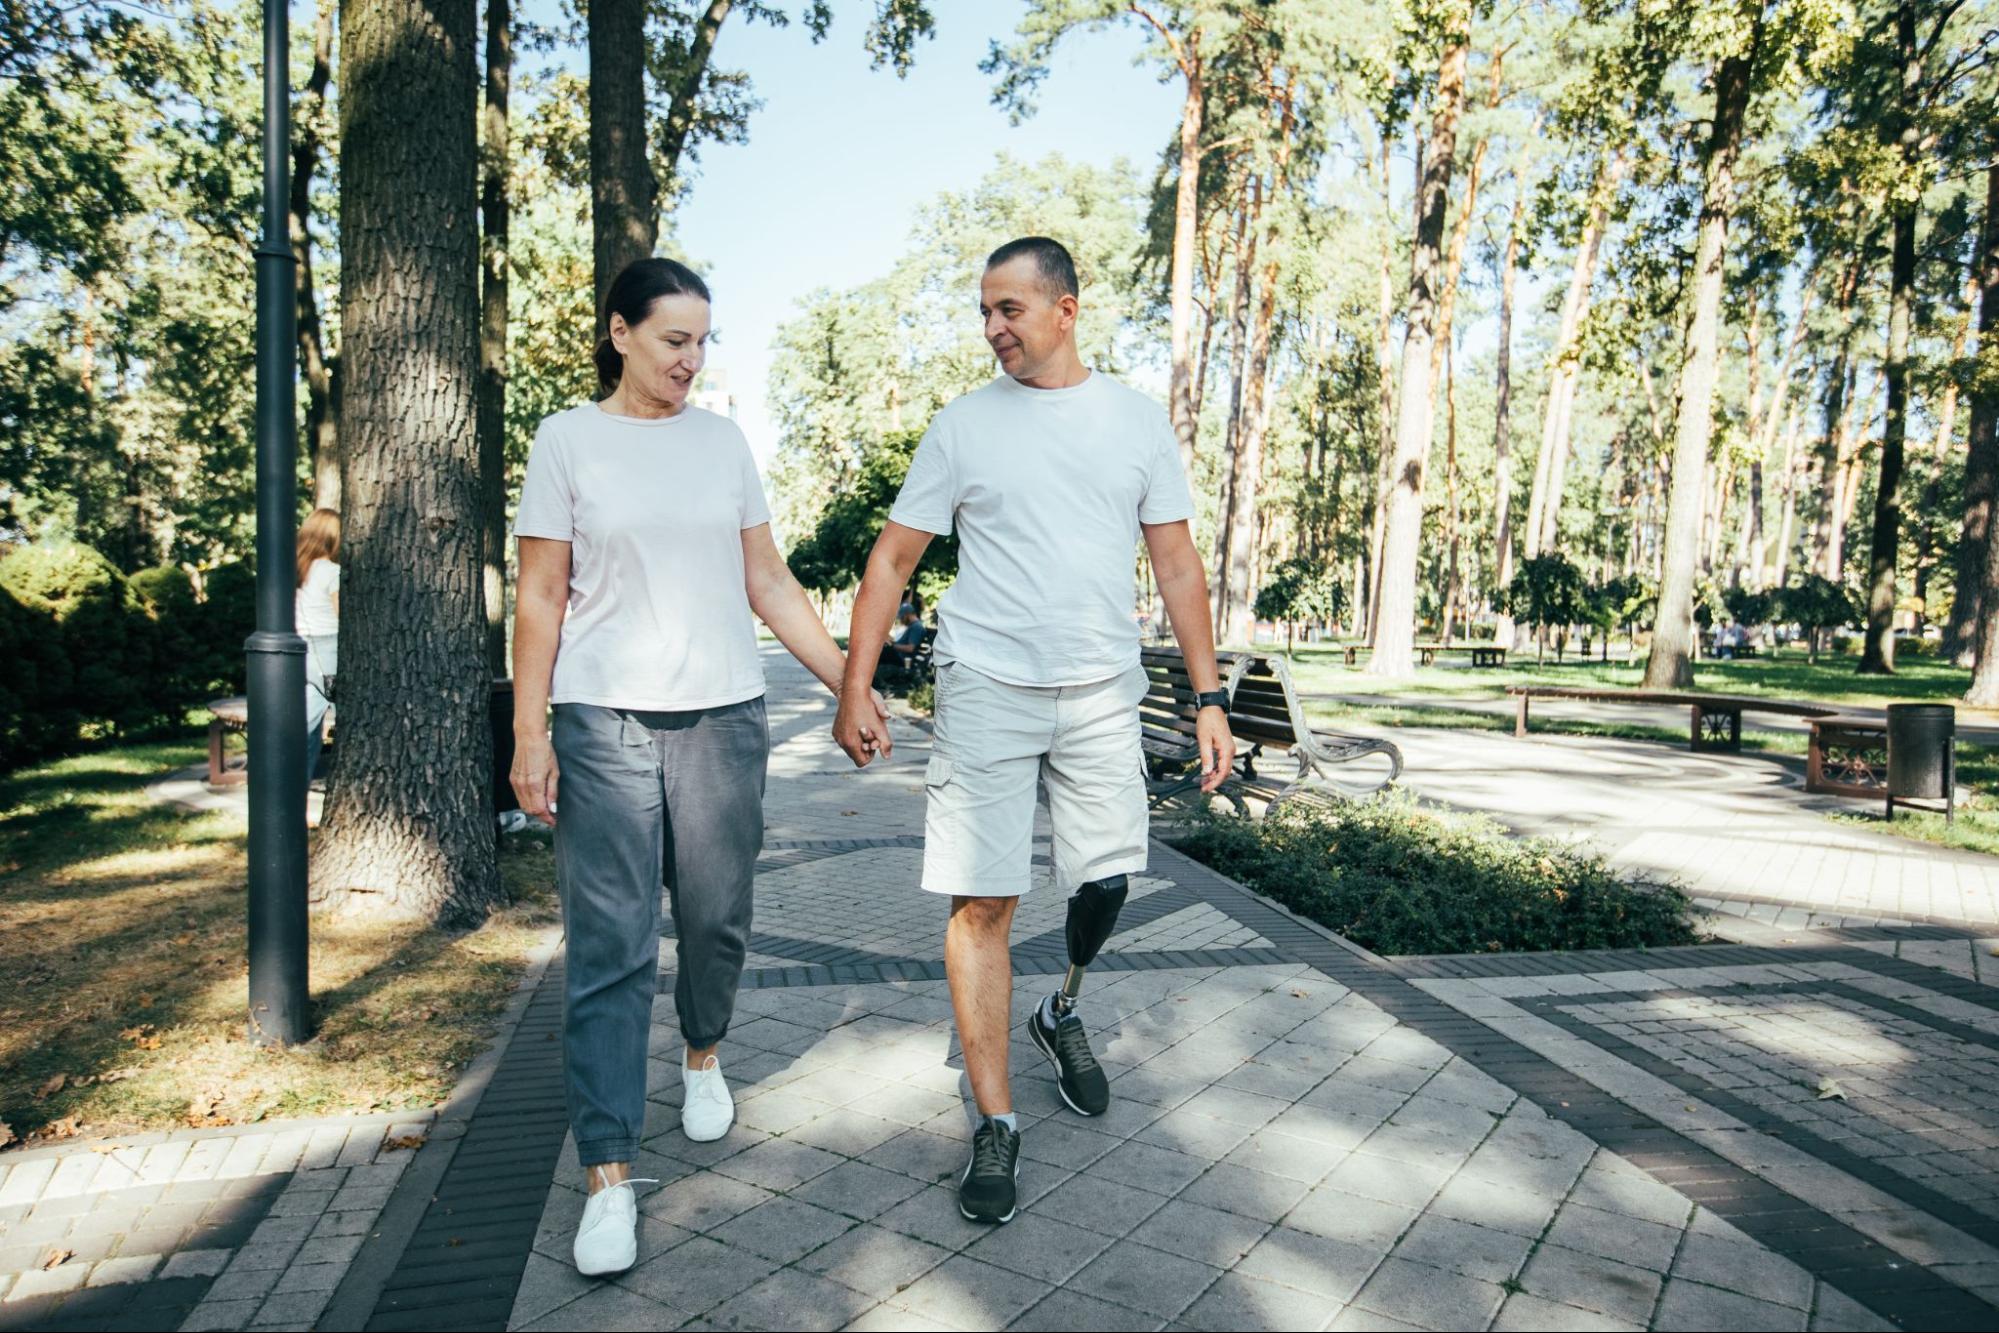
<point x="895" y="663"/>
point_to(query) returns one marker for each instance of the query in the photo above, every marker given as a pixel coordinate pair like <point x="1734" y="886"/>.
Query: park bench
<point x="1482" y="654"/>
<point x="226" y="715"/>
<point x="1848" y="755"/>
<point x="892" y="673"/>
<point x="1265" y="714"/>
<point x="1715" y="719"/>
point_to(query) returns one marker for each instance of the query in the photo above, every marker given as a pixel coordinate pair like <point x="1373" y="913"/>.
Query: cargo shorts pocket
<point x="938" y="772"/>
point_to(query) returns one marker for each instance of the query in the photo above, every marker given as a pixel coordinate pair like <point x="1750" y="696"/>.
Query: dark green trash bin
<point x="1922" y="759"/>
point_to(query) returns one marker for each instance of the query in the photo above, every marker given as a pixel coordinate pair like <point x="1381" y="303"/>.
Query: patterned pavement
<point x="1785" y="1128"/>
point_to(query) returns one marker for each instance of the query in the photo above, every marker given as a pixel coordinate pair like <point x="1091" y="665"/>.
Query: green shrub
<point x="228" y="614"/>
<point x="1399" y="879"/>
<point x="100" y="624"/>
<point x="35" y="683"/>
<point x="177" y="659"/>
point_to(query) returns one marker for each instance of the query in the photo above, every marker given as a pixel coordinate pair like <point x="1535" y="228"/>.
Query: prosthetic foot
<point x="1056" y="1027"/>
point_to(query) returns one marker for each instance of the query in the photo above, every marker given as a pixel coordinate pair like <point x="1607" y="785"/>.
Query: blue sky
<point x="841" y="155"/>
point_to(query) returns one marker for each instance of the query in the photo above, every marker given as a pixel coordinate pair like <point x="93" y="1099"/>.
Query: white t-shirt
<point x="313" y="606"/>
<point x="1046" y="488"/>
<point x="653" y="511"/>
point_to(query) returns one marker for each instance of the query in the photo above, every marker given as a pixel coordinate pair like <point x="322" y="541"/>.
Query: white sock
<point x="1008" y="1120"/>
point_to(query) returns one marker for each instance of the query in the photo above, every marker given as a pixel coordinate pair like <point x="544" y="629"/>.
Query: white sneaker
<point x="607" y="1239"/>
<point x="706" y="1108"/>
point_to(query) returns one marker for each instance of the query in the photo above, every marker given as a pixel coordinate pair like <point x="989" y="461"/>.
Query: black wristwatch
<point x="1212" y="699"/>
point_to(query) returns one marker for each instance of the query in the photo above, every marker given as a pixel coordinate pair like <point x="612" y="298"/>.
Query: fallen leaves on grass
<point x="204" y="1111"/>
<point x="6" y="1133"/>
<point x="56" y="1083"/>
<point x="66" y="1128"/>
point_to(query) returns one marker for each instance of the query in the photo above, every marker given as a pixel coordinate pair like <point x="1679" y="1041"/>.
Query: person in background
<point x="901" y="651"/>
<point x="316" y="608"/>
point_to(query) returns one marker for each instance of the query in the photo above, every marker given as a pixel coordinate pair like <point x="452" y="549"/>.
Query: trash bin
<point x="1922" y="761"/>
<point x="501" y="715"/>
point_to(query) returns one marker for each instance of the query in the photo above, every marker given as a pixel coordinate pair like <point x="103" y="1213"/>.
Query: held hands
<point x="534" y="777"/>
<point x="861" y="728"/>
<point x="1216" y="746"/>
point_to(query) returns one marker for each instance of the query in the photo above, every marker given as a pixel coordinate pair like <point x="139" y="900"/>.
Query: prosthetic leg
<point x="1055" y="1027"/>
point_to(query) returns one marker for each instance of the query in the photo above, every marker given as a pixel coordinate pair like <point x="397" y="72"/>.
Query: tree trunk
<point x="1186" y="222"/>
<point x="686" y="93"/>
<point x="492" y="430"/>
<point x="1877" y="658"/>
<point x="408" y="827"/>
<point x="624" y="194"/>
<point x="1451" y="514"/>
<point x="1402" y="532"/>
<point x="316" y="367"/>
<point x="1249" y="445"/>
<point x="1384" y="381"/>
<point x="1246" y="239"/>
<point x="1565" y="366"/>
<point x="1967" y="635"/>
<point x="1786" y="526"/>
<point x="1502" y="423"/>
<point x="1670" y="665"/>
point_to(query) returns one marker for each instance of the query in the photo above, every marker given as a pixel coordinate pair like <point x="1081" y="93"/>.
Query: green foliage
<point x="97" y="618"/>
<point x="1301" y="589"/>
<point x="834" y="555"/>
<point x="1399" y="879"/>
<point x="1817" y="603"/>
<point x="1546" y="591"/>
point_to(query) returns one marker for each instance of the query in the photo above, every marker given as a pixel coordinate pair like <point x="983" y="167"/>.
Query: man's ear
<point x="1071" y="308"/>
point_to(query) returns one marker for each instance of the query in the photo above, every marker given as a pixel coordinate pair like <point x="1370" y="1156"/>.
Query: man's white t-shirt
<point x="312" y="606"/>
<point x="1046" y="488"/>
<point x="653" y="511"/>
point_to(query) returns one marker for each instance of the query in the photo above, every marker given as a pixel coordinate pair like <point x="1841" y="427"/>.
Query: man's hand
<point x="534" y="777"/>
<point x="1216" y="746"/>
<point x="861" y="728"/>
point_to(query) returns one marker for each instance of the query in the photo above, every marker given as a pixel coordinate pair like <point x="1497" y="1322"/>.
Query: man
<point x="901" y="650"/>
<point x="1050" y="474"/>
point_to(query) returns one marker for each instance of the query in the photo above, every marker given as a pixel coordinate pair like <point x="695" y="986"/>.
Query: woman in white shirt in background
<point x="317" y="610"/>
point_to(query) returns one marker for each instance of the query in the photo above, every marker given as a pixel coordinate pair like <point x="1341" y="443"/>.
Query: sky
<point x="841" y="156"/>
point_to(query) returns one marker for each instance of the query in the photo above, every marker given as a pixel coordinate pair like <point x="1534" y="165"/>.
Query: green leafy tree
<point x="1816" y="604"/>
<point x="1546" y="591"/>
<point x="1298" y="589"/>
<point x="834" y="555"/>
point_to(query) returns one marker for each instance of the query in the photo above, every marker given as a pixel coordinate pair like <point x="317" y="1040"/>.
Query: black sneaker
<point x="1079" y="1077"/>
<point x="986" y="1192"/>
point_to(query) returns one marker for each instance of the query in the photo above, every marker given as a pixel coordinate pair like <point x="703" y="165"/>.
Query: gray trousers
<point x="644" y="799"/>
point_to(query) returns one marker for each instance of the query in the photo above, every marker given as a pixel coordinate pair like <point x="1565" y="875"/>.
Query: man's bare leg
<point x="979" y="963"/>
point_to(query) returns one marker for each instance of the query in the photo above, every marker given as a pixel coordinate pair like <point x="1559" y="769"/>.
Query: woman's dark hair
<point x="632" y="294"/>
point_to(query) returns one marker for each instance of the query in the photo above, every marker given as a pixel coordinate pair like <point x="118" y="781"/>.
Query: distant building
<point x="711" y="394"/>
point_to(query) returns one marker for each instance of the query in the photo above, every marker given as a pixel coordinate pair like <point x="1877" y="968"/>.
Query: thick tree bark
<point x="1451" y="512"/>
<point x="1981" y="461"/>
<point x="1402" y="532"/>
<point x="492" y="428"/>
<point x="1502" y="424"/>
<point x="408" y="827"/>
<point x="1670" y="665"/>
<point x="1249" y="445"/>
<point x="624" y="194"/>
<point x="1786" y="528"/>
<point x="1384" y="364"/>
<point x="1186" y="224"/>
<point x="1878" y="656"/>
<point x="316" y="367"/>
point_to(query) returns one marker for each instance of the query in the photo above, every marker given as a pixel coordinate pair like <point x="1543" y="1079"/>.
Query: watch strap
<point x="1212" y="699"/>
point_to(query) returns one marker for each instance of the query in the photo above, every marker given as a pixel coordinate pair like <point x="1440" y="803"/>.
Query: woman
<point x="644" y="521"/>
<point x="316" y="608"/>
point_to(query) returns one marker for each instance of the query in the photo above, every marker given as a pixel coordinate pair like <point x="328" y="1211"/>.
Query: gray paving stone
<point x="1615" y="1236"/>
<point x="1405" y="1184"/>
<point x="1835" y="1310"/>
<point x="1745" y="1268"/>
<point x="195" y="1263"/>
<point x="964" y="1293"/>
<point x="1248" y="1192"/>
<point x="1039" y="1246"/>
<point x="125" y="1268"/>
<point x="47" y="1281"/>
<point x="244" y="1284"/>
<point x="1236" y="1301"/>
<point x="546" y="1285"/>
<point x="1142" y="1278"/>
<point x="694" y="1276"/>
<point x="932" y="1215"/>
<point x="612" y="1308"/>
<point x="790" y="1299"/>
<point x="1354" y="1218"/>
<point x="1200" y="1136"/>
<point x="213" y="1316"/>
<point x="1429" y="1297"/>
<point x="1633" y="1195"/>
<point x="779" y="1165"/>
<point x="1523" y="1313"/>
<point x="782" y="1229"/>
<point x="875" y="1260"/>
<point x="701" y="1202"/>
<point x="1148" y="1166"/>
<point x="919" y="1154"/>
<point x="1099" y="1205"/>
<point x="1356" y="1319"/>
<point x="1691" y="1306"/>
<point x="1067" y="1310"/>
<point x="1307" y="1161"/>
<point x="1194" y="1231"/>
<point x="858" y="1190"/>
<point x="310" y="1277"/>
<point x="1571" y="1277"/>
<point x="1485" y="1253"/>
<point x="1488" y="1203"/>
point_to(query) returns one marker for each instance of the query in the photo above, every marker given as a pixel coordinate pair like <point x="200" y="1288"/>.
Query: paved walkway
<point x="1792" y="1130"/>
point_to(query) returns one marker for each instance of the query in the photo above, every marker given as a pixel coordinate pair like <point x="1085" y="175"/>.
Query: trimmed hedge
<point x="84" y="647"/>
<point x="1399" y="879"/>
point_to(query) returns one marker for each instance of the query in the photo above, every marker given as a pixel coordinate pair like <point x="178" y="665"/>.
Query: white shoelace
<point x="610" y="1184"/>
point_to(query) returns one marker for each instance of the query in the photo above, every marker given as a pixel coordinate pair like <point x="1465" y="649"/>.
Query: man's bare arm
<point x="1183" y="587"/>
<point x="890" y="564"/>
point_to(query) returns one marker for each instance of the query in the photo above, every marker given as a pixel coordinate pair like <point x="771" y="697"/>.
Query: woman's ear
<point x="619" y="331"/>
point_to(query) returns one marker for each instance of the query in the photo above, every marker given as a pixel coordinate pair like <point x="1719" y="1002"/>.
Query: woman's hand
<point x="534" y="776"/>
<point x="861" y="729"/>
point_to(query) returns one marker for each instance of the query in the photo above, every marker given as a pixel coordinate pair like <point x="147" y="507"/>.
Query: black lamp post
<point x="276" y="652"/>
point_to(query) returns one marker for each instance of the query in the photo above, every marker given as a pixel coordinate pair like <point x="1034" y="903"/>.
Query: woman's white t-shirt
<point x="653" y="511"/>
<point x="1046" y="489"/>
<point x="313" y="606"/>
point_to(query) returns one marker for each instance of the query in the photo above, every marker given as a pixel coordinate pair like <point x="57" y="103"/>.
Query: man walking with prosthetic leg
<point x="1050" y="476"/>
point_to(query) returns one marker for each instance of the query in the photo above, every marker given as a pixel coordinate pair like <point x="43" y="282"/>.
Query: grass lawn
<point x="1785" y="675"/>
<point x="122" y="975"/>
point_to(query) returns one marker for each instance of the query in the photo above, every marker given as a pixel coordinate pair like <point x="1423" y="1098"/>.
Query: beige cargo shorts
<point x="994" y="743"/>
